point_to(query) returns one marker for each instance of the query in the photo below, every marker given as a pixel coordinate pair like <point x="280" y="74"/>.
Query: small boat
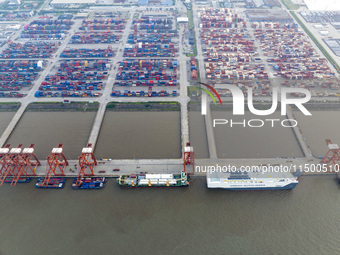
<point x="23" y="179"/>
<point x="89" y="183"/>
<point x="54" y="183"/>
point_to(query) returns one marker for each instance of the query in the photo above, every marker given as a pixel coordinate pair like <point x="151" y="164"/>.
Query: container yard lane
<point x="108" y="88"/>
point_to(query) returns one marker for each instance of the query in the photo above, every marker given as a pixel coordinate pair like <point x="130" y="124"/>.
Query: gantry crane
<point x="11" y="163"/>
<point x="55" y="161"/>
<point x="86" y="160"/>
<point x="332" y="157"/>
<point x="27" y="161"/>
<point x="189" y="159"/>
<point x="3" y="153"/>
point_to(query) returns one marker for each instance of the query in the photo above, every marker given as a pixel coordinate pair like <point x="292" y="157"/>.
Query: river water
<point x="191" y="220"/>
<point x="5" y="118"/>
<point x="198" y="136"/>
<point x="47" y="129"/>
<point x="318" y="127"/>
<point x="254" y="142"/>
<point x="144" y="135"/>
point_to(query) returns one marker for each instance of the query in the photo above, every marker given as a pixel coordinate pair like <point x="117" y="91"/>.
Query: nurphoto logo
<point x="238" y="102"/>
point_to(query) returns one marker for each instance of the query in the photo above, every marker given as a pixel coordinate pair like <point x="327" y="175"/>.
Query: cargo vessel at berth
<point x="89" y="183"/>
<point x="252" y="180"/>
<point x="53" y="183"/>
<point x="23" y="179"/>
<point x="154" y="180"/>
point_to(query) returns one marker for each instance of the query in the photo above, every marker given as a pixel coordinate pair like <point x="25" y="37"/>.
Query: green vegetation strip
<point x="9" y="107"/>
<point x="191" y="27"/>
<point x="191" y="19"/>
<point x="147" y="106"/>
<point x="289" y="5"/>
<point x="323" y="50"/>
<point x="63" y="107"/>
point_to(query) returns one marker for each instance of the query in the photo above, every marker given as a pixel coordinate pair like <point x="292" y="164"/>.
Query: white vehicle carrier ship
<point x="239" y="180"/>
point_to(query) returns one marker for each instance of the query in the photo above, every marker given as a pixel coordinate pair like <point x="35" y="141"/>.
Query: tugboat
<point x="54" y="183"/>
<point x="89" y="183"/>
<point x="154" y="180"/>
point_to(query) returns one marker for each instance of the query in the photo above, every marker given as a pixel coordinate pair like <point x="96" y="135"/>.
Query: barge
<point x="154" y="180"/>
<point x="23" y="179"/>
<point x="54" y="183"/>
<point x="89" y="183"/>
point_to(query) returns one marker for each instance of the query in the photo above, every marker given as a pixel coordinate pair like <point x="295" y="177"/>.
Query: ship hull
<point x="287" y="187"/>
<point x="93" y="183"/>
<point x="20" y="180"/>
<point x="153" y="186"/>
<point x="54" y="183"/>
<point x="154" y="180"/>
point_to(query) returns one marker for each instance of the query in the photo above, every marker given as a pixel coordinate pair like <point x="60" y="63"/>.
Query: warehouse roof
<point x="268" y="15"/>
<point x="143" y="2"/>
<point x="182" y="19"/>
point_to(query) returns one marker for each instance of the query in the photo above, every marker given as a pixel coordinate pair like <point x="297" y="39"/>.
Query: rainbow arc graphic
<point x="204" y="97"/>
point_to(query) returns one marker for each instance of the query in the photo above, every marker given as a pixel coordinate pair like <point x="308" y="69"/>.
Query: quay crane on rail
<point x="27" y="161"/>
<point x="86" y="160"/>
<point x="189" y="159"/>
<point x="10" y="162"/>
<point x="55" y="161"/>
<point x="332" y="157"/>
<point x="3" y="153"/>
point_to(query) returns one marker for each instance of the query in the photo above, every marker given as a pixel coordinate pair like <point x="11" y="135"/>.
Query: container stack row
<point x="227" y="48"/>
<point x="291" y="54"/>
<point x="47" y="29"/>
<point x="75" y="78"/>
<point x="260" y="88"/>
<point x="149" y="59"/>
<point x="116" y="23"/>
<point x="317" y="87"/>
<point x="12" y="94"/>
<point x="95" y="37"/>
<point x="141" y="72"/>
<point x="87" y="53"/>
<point x="16" y="75"/>
<point x="143" y="93"/>
<point x="30" y="50"/>
<point x="152" y="37"/>
<point x="193" y="68"/>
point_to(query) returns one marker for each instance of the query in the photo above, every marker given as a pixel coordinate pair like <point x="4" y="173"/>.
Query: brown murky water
<point x="5" y="118"/>
<point x="191" y="220"/>
<point x="47" y="129"/>
<point x="254" y="142"/>
<point x="198" y="136"/>
<point x="318" y="127"/>
<point x="144" y="135"/>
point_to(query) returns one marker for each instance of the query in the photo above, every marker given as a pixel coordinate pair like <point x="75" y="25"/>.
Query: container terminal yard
<point x="140" y="55"/>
